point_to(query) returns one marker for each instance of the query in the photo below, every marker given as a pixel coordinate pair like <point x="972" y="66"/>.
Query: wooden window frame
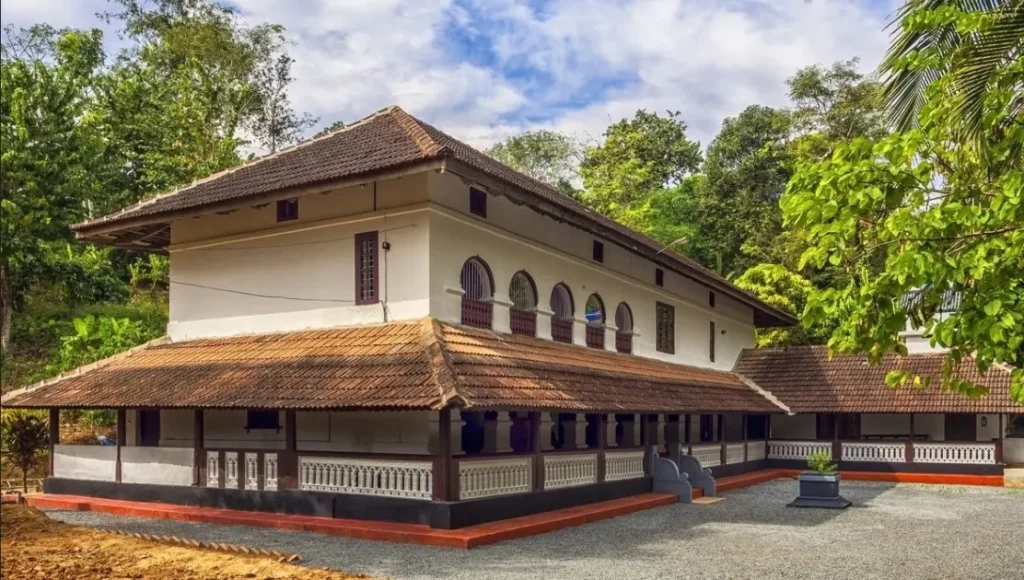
<point x="260" y="420"/>
<point x="659" y="277"/>
<point x="287" y="210"/>
<point x="359" y="240"/>
<point x="598" y="251"/>
<point x="665" y="338"/>
<point x="478" y="202"/>
<point x="711" y="298"/>
<point x="711" y="341"/>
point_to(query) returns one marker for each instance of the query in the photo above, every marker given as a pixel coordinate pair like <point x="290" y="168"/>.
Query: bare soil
<point x="34" y="547"/>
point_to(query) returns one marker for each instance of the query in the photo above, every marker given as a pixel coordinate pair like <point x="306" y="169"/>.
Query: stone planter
<point x="819" y="490"/>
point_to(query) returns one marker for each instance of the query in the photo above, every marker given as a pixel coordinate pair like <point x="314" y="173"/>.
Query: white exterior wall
<point x="226" y="429"/>
<point x="794" y="427"/>
<point x="932" y="425"/>
<point x="176" y="427"/>
<point x="988" y="427"/>
<point x="367" y="432"/>
<point x="885" y="424"/>
<point x="514" y="238"/>
<point x="92" y="462"/>
<point x="303" y="270"/>
<point x="164" y="466"/>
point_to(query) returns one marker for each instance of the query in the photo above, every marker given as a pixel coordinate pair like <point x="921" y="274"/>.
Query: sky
<point x="482" y="70"/>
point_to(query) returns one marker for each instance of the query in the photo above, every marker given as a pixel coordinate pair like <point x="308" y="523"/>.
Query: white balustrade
<point x="756" y="450"/>
<point x="797" y="450"/>
<point x="270" y="471"/>
<point x="492" y="477"/>
<point x="390" y="478"/>
<point x="231" y="469"/>
<point x="734" y="453"/>
<point x="212" y="469"/>
<point x="623" y="465"/>
<point x="709" y="454"/>
<point x="571" y="470"/>
<point x="968" y="453"/>
<point x="252" y="473"/>
<point x="875" y="452"/>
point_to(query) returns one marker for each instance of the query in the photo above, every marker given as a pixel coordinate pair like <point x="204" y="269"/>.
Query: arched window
<point x="594" y="312"/>
<point x="478" y="289"/>
<point x="523" y="314"/>
<point x="624" y="328"/>
<point x="563" y="310"/>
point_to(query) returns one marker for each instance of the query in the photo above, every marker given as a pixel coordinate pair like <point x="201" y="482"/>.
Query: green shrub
<point x="821" y="462"/>
<point x="24" y="436"/>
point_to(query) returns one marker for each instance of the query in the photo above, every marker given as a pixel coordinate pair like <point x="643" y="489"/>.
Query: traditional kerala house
<point x="384" y="323"/>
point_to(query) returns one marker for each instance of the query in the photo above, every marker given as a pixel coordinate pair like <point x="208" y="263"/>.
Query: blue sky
<point x="486" y="69"/>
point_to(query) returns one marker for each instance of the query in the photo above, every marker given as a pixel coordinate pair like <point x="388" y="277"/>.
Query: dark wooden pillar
<point x="54" y="438"/>
<point x="602" y="444"/>
<point x="999" y="441"/>
<point x="672" y="430"/>
<point x="567" y="427"/>
<point x="288" y="461"/>
<point x="721" y="437"/>
<point x="837" y="451"/>
<point x="535" y="447"/>
<point x="443" y="460"/>
<point x="120" y="443"/>
<point x="743" y="420"/>
<point x="198" y="453"/>
<point x="909" y="453"/>
<point x="768" y="428"/>
<point x="686" y="429"/>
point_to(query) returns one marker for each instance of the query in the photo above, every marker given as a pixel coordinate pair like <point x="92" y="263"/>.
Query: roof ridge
<point x="413" y="127"/>
<point x="440" y="363"/>
<point x="86" y="368"/>
<point x="233" y="169"/>
<point x="764" y="393"/>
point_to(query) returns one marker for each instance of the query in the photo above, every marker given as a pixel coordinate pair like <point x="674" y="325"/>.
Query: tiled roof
<point x="807" y="381"/>
<point x="388" y="139"/>
<point x="404" y="365"/>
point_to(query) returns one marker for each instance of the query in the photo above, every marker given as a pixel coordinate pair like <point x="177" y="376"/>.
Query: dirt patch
<point x="34" y="547"/>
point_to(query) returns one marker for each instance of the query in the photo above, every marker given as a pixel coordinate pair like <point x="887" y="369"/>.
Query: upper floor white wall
<point x="245" y="273"/>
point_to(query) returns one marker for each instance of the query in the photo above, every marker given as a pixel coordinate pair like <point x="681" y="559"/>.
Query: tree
<point x="546" y="156"/>
<point x="638" y="158"/>
<point x="25" y="436"/>
<point x="745" y="171"/>
<point x="939" y="214"/>
<point x="787" y="291"/>
<point x="330" y="129"/>
<point x="968" y="41"/>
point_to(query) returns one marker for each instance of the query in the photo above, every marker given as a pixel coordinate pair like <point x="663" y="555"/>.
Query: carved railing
<point x="212" y="469"/>
<point x="522" y="322"/>
<point x="477" y="313"/>
<point x="797" y="450"/>
<point x="875" y="452"/>
<point x="270" y="471"/>
<point x="595" y="336"/>
<point x="574" y="469"/>
<point x="623" y="465"/>
<point x="561" y="330"/>
<point x="252" y="471"/>
<point x="389" y="478"/>
<point x="231" y="469"/>
<point x="734" y="453"/>
<point x="491" y="477"/>
<point x="967" y="453"/>
<point x="756" y="450"/>
<point x="708" y="454"/>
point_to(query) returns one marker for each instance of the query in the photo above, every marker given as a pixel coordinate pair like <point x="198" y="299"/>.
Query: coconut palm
<point x="928" y="44"/>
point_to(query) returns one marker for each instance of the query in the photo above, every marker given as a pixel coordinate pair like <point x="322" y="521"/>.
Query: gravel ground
<point x="907" y="532"/>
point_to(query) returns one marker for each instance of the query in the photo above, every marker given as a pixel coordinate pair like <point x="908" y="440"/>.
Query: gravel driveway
<point x="893" y="531"/>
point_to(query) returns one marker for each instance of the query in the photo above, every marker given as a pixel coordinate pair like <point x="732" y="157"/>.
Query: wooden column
<point x="999" y="441"/>
<point x="443" y="460"/>
<point x="535" y="447"/>
<point x="602" y="444"/>
<point x="909" y="453"/>
<point x="54" y="438"/>
<point x="120" y="443"/>
<point x="768" y="428"/>
<point x="743" y="420"/>
<point x="721" y="437"/>
<point x="288" y="461"/>
<point x="686" y="430"/>
<point x="198" y="454"/>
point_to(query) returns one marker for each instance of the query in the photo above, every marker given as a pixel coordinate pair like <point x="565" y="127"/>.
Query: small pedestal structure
<point x="820" y="490"/>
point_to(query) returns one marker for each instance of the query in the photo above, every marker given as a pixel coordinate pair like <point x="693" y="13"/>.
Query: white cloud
<point x="572" y="65"/>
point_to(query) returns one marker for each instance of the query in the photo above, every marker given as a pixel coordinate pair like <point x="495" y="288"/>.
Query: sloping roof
<point x="405" y="365"/>
<point x="806" y="380"/>
<point x="385" y="141"/>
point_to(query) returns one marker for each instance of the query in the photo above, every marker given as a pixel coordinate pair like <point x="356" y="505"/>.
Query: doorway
<point x="961" y="427"/>
<point x="149" y="428"/>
